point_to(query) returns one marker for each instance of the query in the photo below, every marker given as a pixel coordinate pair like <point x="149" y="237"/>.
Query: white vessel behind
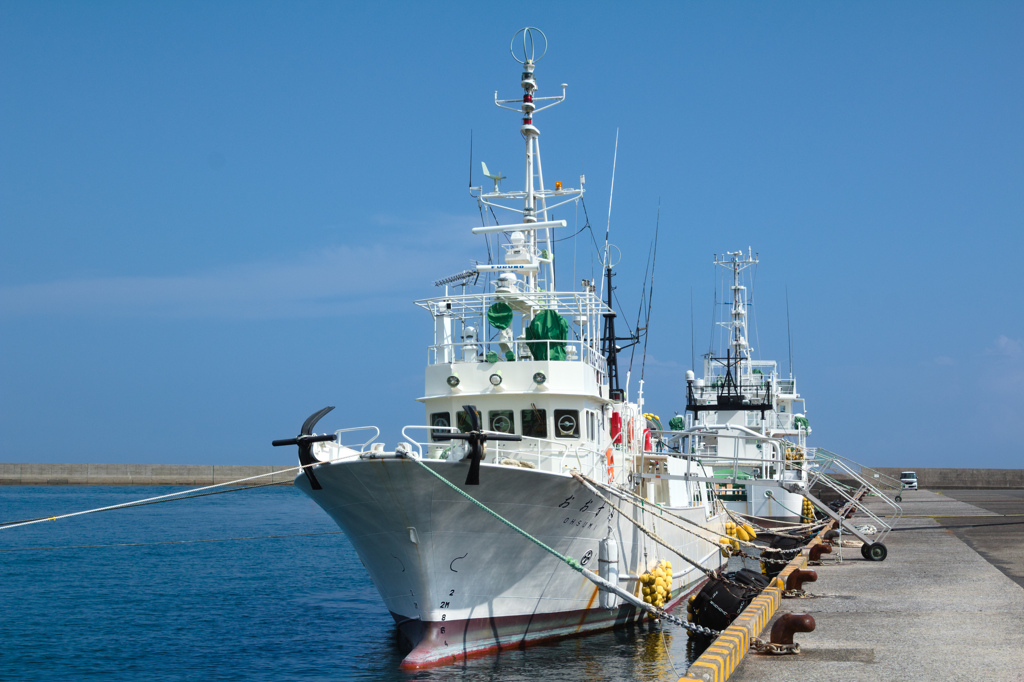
<point x="744" y="418"/>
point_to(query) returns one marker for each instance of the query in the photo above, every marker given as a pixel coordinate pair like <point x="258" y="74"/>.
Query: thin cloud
<point x="1007" y="348"/>
<point x="335" y="281"/>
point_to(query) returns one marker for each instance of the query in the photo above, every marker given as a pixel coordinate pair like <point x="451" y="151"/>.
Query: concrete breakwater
<point x="937" y="478"/>
<point x="138" y="474"/>
<point x="208" y="474"/>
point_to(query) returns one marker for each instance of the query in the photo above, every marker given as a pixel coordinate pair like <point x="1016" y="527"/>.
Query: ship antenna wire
<point x="650" y="294"/>
<point x="643" y="299"/>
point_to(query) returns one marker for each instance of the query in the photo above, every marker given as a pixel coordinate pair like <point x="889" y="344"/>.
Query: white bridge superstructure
<point x="511" y="356"/>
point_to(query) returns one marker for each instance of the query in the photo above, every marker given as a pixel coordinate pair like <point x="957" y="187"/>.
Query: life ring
<point x="611" y="464"/>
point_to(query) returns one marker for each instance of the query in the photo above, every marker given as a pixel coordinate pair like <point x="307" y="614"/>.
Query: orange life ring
<point x="611" y="464"/>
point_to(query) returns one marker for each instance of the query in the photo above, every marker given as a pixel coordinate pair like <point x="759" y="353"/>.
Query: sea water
<point x="254" y="584"/>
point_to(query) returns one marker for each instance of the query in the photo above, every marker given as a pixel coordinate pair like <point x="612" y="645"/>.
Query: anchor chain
<point x="692" y="627"/>
<point x="763" y="647"/>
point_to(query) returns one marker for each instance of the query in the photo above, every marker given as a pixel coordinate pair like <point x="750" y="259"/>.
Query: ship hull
<point x="765" y="500"/>
<point x="459" y="582"/>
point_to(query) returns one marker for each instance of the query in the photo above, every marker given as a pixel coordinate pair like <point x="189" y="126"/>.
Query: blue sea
<point x="255" y="584"/>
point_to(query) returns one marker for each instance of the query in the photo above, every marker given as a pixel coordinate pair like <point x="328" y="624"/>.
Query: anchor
<point x="305" y="440"/>
<point x="476" y="438"/>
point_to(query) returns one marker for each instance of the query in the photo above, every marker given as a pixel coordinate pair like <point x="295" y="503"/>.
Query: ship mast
<point x="737" y="324"/>
<point x="528" y="47"/>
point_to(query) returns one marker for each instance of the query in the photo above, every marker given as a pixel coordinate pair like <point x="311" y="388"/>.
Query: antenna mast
<point x="609" y="347"/>
<point x="532" y="237"/>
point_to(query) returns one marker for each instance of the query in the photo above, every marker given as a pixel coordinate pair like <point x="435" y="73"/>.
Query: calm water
<point x="232" y="603"/>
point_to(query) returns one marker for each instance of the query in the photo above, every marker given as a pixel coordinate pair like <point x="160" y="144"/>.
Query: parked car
<point x="909" y="480"/>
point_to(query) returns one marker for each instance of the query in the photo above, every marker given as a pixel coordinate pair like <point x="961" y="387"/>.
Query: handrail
<point x="560" y="447"/>
<point x="358" y="428"/>
<point x="418" y="444"/>
<point x="455" y="352"/>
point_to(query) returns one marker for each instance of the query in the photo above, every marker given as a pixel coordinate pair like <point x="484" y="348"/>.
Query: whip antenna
<point x="611" y="193"/>
<point x="789" y="334"/>
<point x="693" y="356"/>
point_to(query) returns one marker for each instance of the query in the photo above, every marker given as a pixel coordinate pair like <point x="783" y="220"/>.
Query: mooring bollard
<point x="789" y="623"/>
<point x="817" y="551"/>
<point x="797" y="578"/>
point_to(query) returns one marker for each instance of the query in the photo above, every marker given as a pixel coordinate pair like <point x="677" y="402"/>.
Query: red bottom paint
<point x="445" y="643"/>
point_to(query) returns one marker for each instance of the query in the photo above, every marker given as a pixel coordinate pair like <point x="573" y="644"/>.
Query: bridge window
<point x="440" y="419"/>
<point x="535" y="423"/>
<point x="567" y="423"/>
<point x="502" y="421"/>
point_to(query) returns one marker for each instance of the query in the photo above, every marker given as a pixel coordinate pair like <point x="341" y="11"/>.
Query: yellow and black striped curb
<point x="720" y="659"/>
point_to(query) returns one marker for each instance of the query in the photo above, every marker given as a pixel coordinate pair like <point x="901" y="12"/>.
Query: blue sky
<point x="214" y="216"/>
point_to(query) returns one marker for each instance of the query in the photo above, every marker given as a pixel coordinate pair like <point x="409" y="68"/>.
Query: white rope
<point x="166" y="498"/>
<point x="644" y="503"/>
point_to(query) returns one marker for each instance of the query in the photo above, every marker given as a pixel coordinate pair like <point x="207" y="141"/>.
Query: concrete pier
<point x="138" y="474"/>
<point x="946" y="604"/>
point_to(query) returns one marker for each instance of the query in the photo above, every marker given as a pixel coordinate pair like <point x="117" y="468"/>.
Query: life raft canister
<point x="616" y="428"/>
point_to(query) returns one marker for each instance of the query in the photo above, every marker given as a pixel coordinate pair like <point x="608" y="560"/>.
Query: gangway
<point x="849" y="480"/>
<point x="824" y="469"/>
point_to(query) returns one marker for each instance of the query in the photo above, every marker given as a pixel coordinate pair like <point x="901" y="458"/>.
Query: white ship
<point x="744" y="418"/>
<point x="521" y="393"/>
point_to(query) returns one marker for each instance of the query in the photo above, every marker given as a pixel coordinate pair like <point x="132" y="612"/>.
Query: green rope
<point x="569" y="560"/>
<point x="593" y="577"/>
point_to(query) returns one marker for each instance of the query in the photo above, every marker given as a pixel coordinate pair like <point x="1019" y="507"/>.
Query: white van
<point x="909" y="480"/>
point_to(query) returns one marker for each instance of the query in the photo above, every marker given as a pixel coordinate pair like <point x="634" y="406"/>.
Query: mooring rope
<point x="665" y="514"/>
<point x="649" y="533"/>
<point x="173" y="542"/>
<point x="170" y="497"/>
<point x="572" y="563"/>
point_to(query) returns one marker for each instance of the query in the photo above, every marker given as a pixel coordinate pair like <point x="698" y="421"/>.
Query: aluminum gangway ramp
<point x="826" y="469"/>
